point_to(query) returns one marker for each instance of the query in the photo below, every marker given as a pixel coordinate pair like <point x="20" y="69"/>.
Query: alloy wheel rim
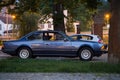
<point x="85" y="54"/>
<point x="24" y="53"/>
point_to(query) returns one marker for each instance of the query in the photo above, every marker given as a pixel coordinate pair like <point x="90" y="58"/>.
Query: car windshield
<point x="67" y="36"/>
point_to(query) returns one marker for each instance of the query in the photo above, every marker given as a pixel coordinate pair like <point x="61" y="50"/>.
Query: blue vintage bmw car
<point x="52" y="43"/>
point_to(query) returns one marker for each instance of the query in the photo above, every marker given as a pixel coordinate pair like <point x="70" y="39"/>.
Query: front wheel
<point x="24" y="53"/>
<point x="85" y="54"/>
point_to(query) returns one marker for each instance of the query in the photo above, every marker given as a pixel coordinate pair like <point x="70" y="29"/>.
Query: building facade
<point x="5" y="24"/>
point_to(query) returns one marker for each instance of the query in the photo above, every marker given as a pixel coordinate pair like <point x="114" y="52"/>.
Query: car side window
<point x="59" y="37"/>
<point x="75" y="38"/>
<point x="35" y="36"/>
<point x="85" y="37"/>
<point x="53" y="36"/>
<point x="46" y="36"/>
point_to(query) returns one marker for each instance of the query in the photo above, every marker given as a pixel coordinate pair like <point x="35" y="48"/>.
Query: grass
<point x="44" y="65"/>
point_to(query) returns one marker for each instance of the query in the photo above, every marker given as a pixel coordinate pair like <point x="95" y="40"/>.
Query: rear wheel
<point x="85" y="54"/>
<point x="24" y="53"/>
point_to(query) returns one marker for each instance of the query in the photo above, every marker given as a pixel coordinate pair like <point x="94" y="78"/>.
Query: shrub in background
<point x="1" y="42"/>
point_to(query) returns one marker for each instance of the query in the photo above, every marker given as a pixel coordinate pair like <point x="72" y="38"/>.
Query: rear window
<point x="99" y="37"/>
<point x="82" y="37"/>
<point x="86" y="37"/>
<point x="35" y="36"/>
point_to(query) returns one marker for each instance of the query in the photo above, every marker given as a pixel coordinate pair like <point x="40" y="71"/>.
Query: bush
<point x="1" y="42"/>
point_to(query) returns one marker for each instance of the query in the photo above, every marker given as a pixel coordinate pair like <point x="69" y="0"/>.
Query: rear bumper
<point x="104" y="49"/>
<point x="8" y="51"/>
<point x="100" y="53"/>
<point x="105" y="52"/>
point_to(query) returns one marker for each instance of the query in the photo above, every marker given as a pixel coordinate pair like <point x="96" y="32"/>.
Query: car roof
<point x="48" y="31"/>
<point x="44" y="31"/>
<point x="84" y="35"/>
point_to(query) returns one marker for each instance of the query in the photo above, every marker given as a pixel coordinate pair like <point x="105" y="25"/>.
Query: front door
<point x="57" y="44"/>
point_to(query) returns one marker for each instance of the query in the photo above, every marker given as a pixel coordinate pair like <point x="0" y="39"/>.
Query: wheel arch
<point x="22" y="47"/>
<point x="85" y="46"/>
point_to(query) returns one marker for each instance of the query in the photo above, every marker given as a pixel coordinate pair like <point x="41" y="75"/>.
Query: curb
<point x="58" y="76"/>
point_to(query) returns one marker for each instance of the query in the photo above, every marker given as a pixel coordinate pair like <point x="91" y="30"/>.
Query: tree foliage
<point x="27" y="15"/>
<point x="80" y="10"/>
<point x="6" y="2"/>
<point x="28" y="23"/>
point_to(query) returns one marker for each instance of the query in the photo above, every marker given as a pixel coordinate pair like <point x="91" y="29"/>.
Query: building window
<point x="42" y="26"/>
<point x="0" y="27"/>
<point x="49" y="25"/>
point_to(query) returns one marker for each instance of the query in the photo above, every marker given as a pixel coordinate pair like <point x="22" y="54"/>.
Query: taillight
<point x="100" y="41"/>
<point x="103" y="47"/>
<point x="2" y="45"/>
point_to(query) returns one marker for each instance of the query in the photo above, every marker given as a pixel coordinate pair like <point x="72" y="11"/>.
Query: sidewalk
<point x="58" y="76"/>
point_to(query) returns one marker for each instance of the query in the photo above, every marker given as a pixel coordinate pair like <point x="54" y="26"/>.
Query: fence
<point x="6" y="38"/>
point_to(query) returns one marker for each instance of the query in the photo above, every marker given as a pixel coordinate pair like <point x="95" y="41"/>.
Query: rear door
<point x="35" y="41"/>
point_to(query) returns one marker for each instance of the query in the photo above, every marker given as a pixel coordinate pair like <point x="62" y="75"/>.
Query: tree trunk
<point x="114" y="33"/>
<point x="58" y="17"/>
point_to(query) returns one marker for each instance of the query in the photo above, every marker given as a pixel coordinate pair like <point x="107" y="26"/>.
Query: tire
<point x="34" y="56"/>
<point x="24" y="53"/>
<point x="85" y="54"/>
